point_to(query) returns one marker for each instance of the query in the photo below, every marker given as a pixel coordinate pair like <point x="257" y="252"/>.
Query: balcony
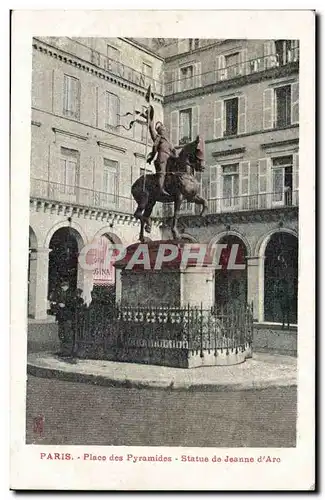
<point x="231" y="72"/>
<point x="247" y="203"/>
<point x="84" y="197"/>
<point x="73" y="47"/>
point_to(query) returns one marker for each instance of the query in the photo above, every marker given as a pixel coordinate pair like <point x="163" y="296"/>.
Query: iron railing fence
<point x="90" y="198"/>
<point x="147" y="326"/>
<point x="244" y="68"/>
<point x="259" y="201"/>
<point x="57" y="192"/>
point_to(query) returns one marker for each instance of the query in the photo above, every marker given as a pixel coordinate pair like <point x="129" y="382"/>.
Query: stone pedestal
<point x="180" y="282"/>
<point x="165" y="314"/>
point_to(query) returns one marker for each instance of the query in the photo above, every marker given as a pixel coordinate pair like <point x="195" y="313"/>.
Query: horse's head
<point x="193" y="153"/>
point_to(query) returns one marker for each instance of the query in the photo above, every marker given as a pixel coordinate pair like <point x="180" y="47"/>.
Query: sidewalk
<point x="260" y="372"/>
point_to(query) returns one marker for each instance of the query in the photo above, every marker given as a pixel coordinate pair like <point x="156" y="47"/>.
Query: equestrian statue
<point x="174" y="180"/>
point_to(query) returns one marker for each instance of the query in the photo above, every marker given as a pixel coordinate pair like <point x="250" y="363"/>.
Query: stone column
<point x="86" y="283"/>
<point x="38" y="282"/>
<point x="255" y="293"/>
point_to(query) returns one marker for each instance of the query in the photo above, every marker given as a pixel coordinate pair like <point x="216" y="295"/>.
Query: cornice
<point x="287" y="142"/>
<point x="111" y="146"/>
<point x="267" y="215"/>
<point x="88" y="67"/>
<point x="254" y="132"/>
<point x="239" y="81"/>
<point x="228" y="152"/>
<point x="70" y="134"/>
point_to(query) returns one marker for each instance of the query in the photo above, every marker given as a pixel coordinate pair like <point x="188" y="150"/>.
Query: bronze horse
<point x="180" y="183"/>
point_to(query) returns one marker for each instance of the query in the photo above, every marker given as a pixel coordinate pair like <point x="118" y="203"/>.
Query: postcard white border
<point x="296" y="470"/>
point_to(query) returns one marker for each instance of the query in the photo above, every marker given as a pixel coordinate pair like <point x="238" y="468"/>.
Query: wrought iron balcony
<point x="79" y="196"/>
<point x="240" y="69"/>
<point x="252" y="202"/>
<point x="83" y="52"/>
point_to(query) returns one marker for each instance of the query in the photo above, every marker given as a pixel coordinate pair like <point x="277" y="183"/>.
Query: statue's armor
<point x="164" y="150"/>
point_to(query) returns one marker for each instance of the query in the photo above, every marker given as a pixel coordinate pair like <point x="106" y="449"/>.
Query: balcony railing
<point x="106" y="63"/>
<point x="89" y="198"/>
<point x="239" y="203"/>
<point x="230" y="72"/>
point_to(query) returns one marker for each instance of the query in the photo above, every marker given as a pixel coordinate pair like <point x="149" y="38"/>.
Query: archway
<point x="231" y="284"/>
<point x="65" y="245"/>
<point x="281" y="277"/>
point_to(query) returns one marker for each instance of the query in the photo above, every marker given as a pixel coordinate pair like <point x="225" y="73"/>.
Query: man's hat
<point x="159" y="124"/>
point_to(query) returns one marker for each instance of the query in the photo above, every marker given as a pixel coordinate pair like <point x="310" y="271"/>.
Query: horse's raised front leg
<point x="177" y="207"/>
<point x="199" y="200"/>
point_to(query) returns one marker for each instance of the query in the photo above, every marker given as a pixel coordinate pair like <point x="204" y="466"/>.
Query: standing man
<point x="63" y="304"/>
<point x="162" y="148"/>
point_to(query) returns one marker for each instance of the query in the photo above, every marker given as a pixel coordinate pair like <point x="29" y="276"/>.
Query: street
<point x="82" y="414"/>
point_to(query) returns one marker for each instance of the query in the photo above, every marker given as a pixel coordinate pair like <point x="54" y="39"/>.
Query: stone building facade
<point x="83" y="161"/>
<point x="242" y="96"/>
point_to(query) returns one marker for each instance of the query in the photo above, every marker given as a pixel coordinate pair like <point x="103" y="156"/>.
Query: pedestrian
<point x="283" y="296"/>
<point x="63" y="304"/>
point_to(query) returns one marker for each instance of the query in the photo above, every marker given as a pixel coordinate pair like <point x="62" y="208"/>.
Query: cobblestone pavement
<point x="85" y="414"/>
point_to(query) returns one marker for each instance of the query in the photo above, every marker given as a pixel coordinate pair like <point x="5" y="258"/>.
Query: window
<point x="140" y="131"/>
<point x="232" y="63"/>
<point x="71" y="102"/>
<point x="147" y="69"/>
<point x="110" y="181"/>
<point x="186" y="77"/>
<point x="113" y="53"/>
<point x="283" y="106"/>
<point x="112" y="110"/>
<point x="69" y="160"/>
<point x="230" y="185"/>
<point x="282" y="179"/>
<point x="231" y="116"/>
<point x="185" y="126"/>
<point x="193" y="43"/>
<point x="284" y="50"/>
<point x="148" y="170"/>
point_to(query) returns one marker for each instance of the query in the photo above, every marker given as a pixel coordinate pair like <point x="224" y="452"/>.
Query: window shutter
<point x="61" y="177"/>
<point x="264" y="181"/>
<point x="215" y="182"/>
<point x="66" y="102"/>
<point x="243" y="62"/>
<point x="175" y="79"/>
<point x="195" y="121"/>
<point x="218" y="119"/>
<point x="244" y="167"/>
<point x="295" y="103"/>
<point x="253" y="185"/>
<point x="197" y="77"/>
<point x="244" y="171"/>
<point x="242" y="114"/>
<point x="174" y="127"/>
<point x="268" y="108"/>
<point x="295" y="50"/>
<point x="70" y="176"/>
<point x="295" y="178"/>
<point x="221" y="68"/>
<point x="269" y="54"/>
